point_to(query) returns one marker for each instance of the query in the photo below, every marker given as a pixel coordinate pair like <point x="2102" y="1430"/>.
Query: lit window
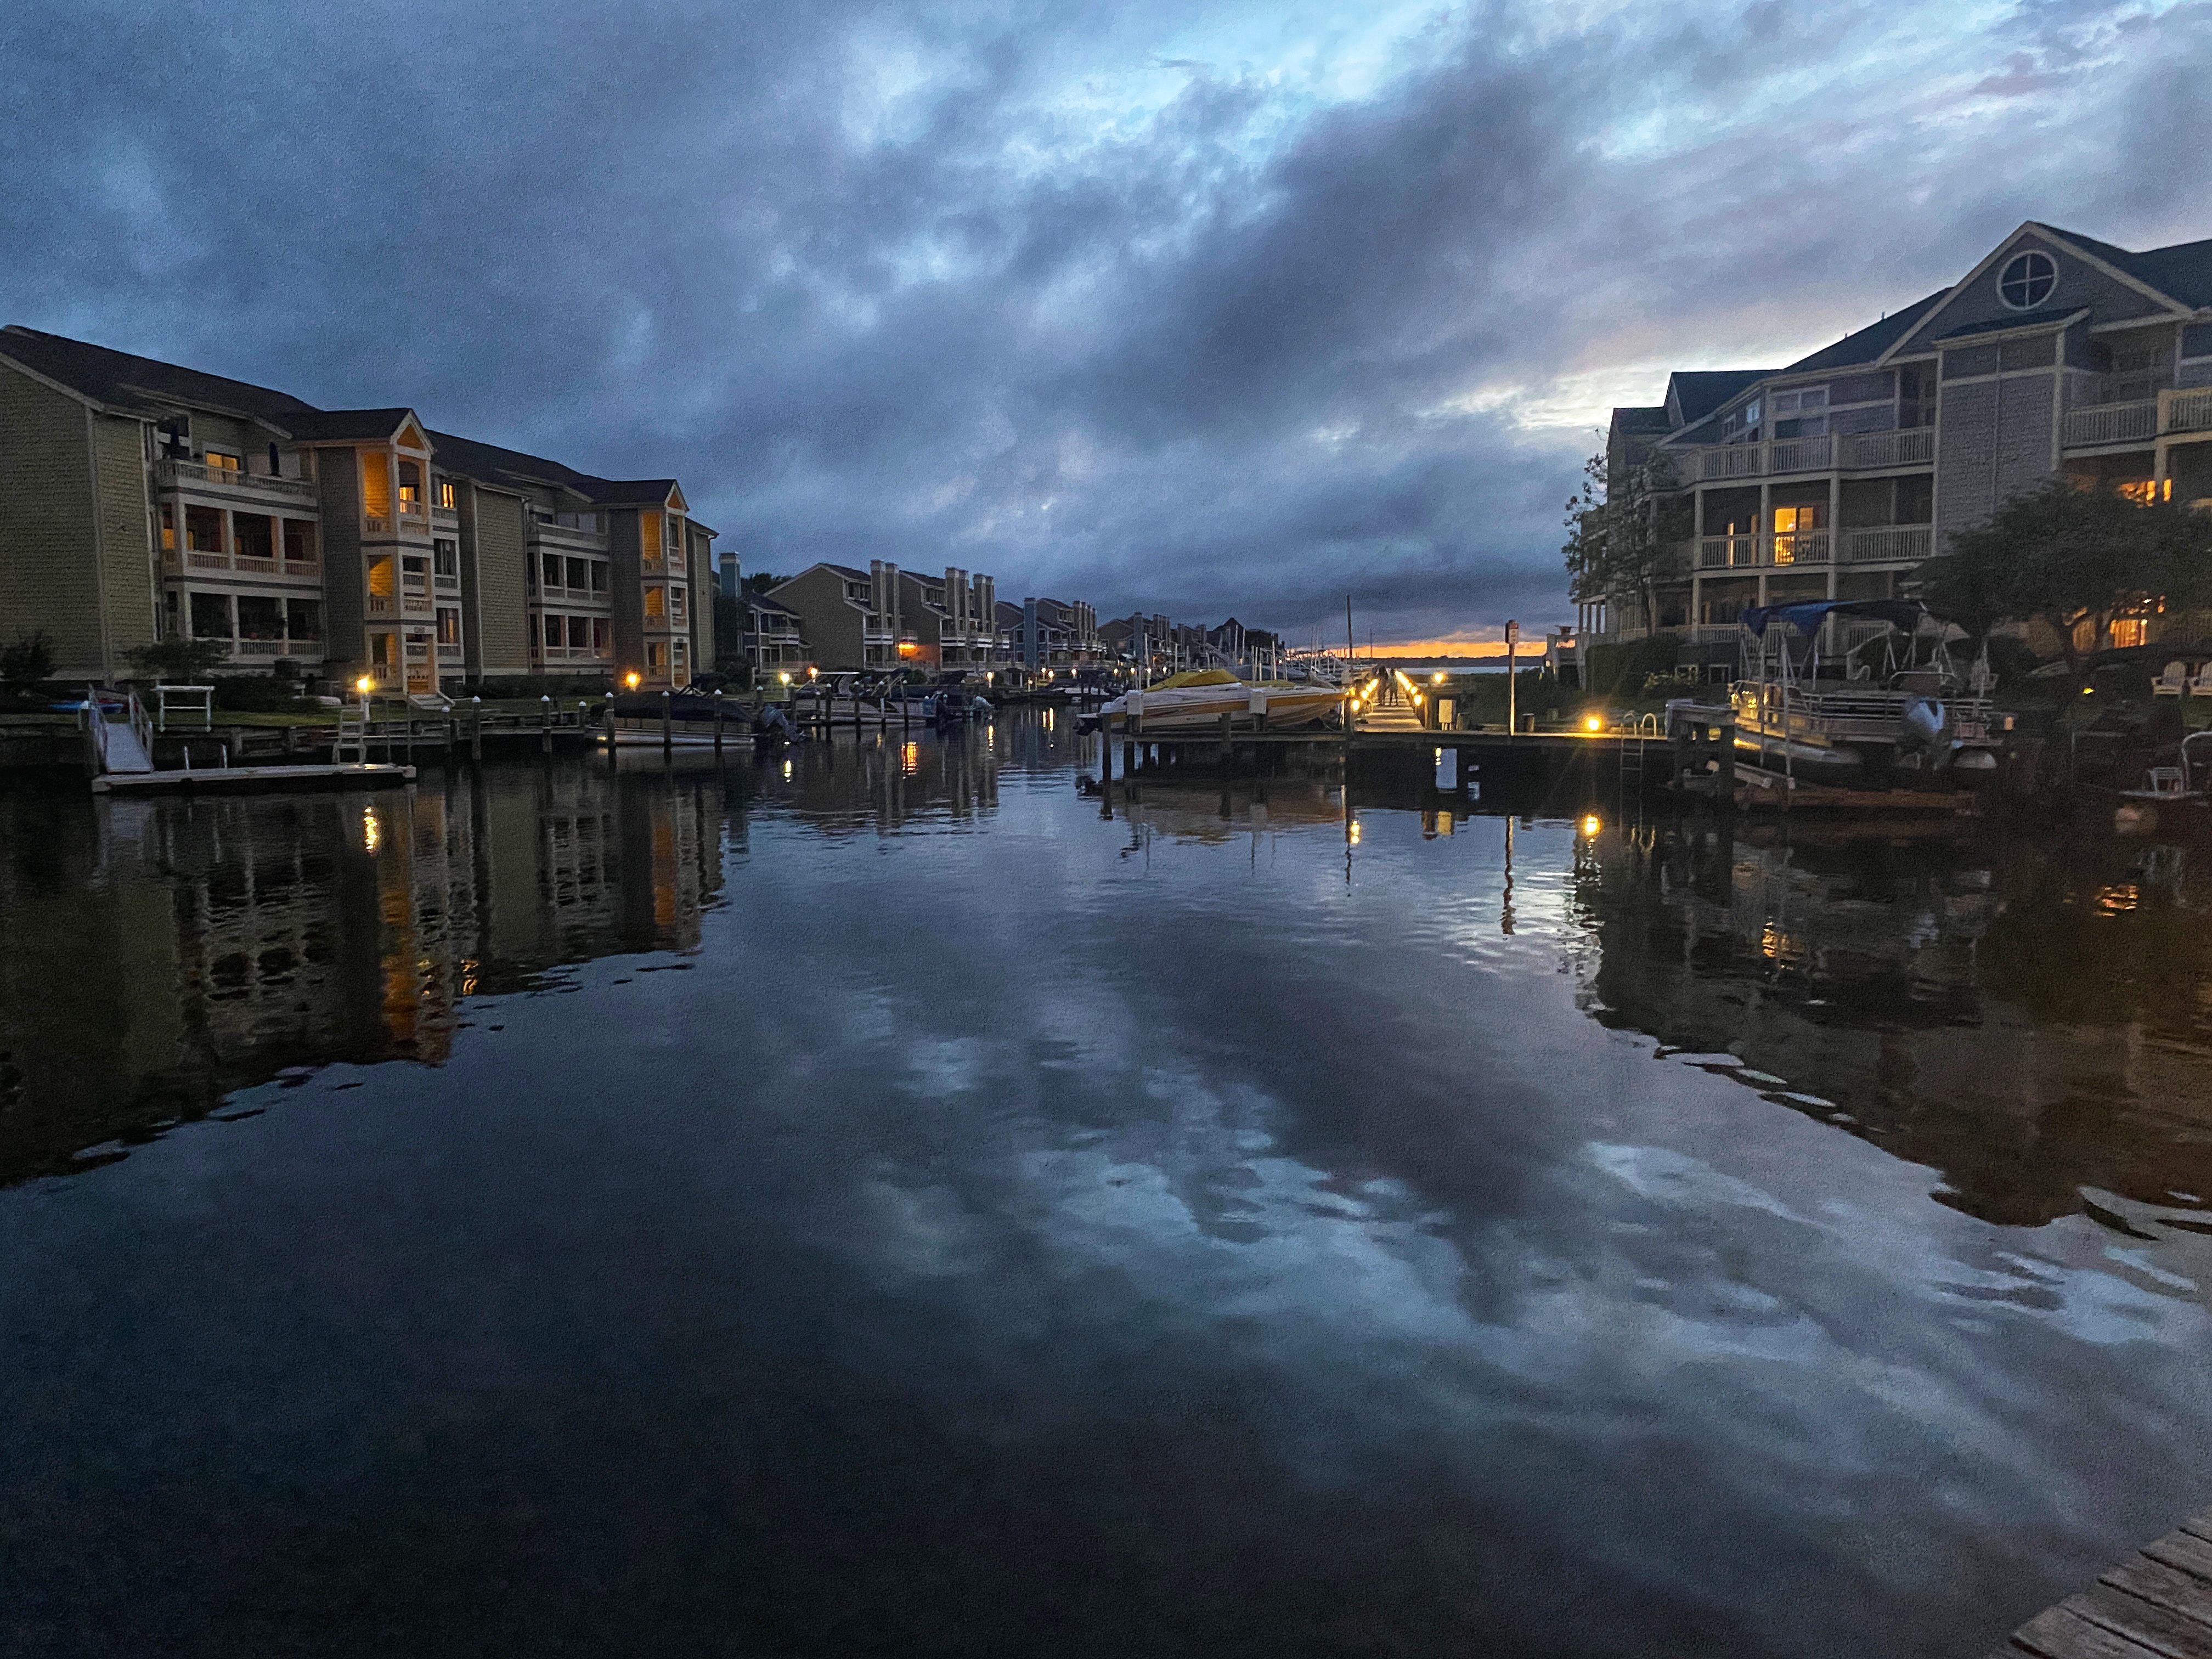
<point x="2026" y="280"/>
<point x="449" y="626"/>
<point x="446" y="493"/>
<point x="222" y="461"/>
<point x="656" y="602"/>
<point x="411" y="486"/>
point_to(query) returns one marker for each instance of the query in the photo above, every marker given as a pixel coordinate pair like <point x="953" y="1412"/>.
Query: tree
<point x="1616" y="543"/>
<point x="761" y="582"/>
<point x="2066" y="555"/>
<point x="181" y="661"/>
<point x="27" y="661"/>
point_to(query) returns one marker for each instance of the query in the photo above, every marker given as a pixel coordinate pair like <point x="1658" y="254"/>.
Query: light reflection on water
<point x="1027" y="1223"/>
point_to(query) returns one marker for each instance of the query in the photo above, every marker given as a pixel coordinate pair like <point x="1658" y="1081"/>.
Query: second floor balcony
<point x="2142" y="421"/>
<point x="1903" y="544"/>
<point x="235" y="484"/>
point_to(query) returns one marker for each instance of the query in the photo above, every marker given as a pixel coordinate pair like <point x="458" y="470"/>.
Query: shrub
<point x="27" y="661"/>
<point x="181" y="662"/>
<point x="253" y="694"/>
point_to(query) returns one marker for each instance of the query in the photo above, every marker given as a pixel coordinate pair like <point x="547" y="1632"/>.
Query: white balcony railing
<point x="2111" y="423"/>
<point x="1850" y="453"/>
<point x="231" y="479"/>
<point x="1914" y="446"/>
<point x="1783" y="547"/>
<point x="2190" y="411"/>
<point x="1889" y="541"/>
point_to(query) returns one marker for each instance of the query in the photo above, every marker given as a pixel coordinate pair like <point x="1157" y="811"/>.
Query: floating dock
<point x="351" y="774"/>
<point x="2157" y="1605"/>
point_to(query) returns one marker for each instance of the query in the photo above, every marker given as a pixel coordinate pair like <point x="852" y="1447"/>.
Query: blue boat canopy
<point x="1807" y="615"/>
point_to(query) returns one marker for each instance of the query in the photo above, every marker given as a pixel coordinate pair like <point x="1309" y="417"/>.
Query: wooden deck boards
<point x="2156" y="1605"/>
<point x="255" y="777"/>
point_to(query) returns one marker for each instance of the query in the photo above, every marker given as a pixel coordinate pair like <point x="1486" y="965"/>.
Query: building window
<point x="380" y="652"/>
<point x="598" y="576"/>
<point x="656" y="656"/>
<point x="676" y="604"/>
<point x="556" y="631"/>
<point x="169" y="527"/>
<point x="211" y="615"/>
<point x="449" y="625"/>
<point x="415" y="571"/>
<point x="411" y="486"/>
<point x="579" y="577"/>
<point x="203" y="528"/>
<point x="303" y="619"/>
<point x="656" y="601"/>
<point x="579" y="632"/>
<point x="553" y="577"/>
<point x="299" y="541"/>
<point x="2026" y="280"/>
<point x="446" y="559"/>
<point x="602" y="634"/>
<point x="260" y="616"/>
<point x="222" y="461"/>
<point x="447" y="495"/>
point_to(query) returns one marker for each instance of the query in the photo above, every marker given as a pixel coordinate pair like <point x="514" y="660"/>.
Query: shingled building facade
<point x="1836" y="476"/>
<point x="140" y="501"/>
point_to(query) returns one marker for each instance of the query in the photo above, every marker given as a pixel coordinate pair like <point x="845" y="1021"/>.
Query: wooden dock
<point x="2158" y="1605"/>
<point x="351" y="774"/>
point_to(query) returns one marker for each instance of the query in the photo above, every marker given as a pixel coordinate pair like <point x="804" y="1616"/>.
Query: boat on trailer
<point x="1860" y="693"/>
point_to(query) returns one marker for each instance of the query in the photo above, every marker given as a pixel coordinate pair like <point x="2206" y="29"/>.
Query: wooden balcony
<point x="237" y="487"/>
<point x="1853" y="452"/>
<point x="1885" y="543"/>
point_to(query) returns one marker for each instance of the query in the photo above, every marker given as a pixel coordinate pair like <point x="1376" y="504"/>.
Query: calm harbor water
<point x="889" y="1201"/>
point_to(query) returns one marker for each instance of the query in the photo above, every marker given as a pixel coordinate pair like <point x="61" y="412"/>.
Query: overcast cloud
<point x="1203" y="308"/>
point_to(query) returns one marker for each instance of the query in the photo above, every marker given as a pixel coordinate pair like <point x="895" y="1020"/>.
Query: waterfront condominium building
<point x="1057" y="634"/>
<point x="883" y="618"/>
<point x="140" y="501"/>
<point x="1836" y="476"/>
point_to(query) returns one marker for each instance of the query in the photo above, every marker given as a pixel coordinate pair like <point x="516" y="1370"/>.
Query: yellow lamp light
<point x="364" y="685"/>
<point x="1590" y="825"/>
<point x="1438" y="680"/>
<point x="786" y="678"/>
<point x="1595" y="723"/>
<point x="630" y="679"/>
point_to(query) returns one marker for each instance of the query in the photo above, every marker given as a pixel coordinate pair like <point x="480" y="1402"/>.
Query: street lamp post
<point x="1512" y="706"/>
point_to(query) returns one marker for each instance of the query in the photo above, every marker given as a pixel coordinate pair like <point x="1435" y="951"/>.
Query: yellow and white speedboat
<point x="1196" y="700"/>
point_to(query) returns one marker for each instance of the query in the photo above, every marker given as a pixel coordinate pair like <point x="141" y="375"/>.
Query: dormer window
<point x="2027" y="279"/>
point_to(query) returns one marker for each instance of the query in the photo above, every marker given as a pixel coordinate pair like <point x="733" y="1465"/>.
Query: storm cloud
<point x="1202" y="308"/>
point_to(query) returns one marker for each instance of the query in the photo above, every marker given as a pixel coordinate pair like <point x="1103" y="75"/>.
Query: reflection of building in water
<point x="1991" y="1008"/>
<point x="184" y="949"/>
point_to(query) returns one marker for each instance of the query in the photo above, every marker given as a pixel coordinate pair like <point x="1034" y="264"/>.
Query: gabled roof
<point x="1651" y="417"/>
<point x="1697" y="392"/>
<point x="490" y="462"/>
<point x="344" y="425"/>
<point x="1866" y="344"/>
<point x="2020" y="324"/>
<point x="119" y="379"/>
<point x="760" y="601"/>
<point x="630" y="492"/>
<point x="2182" y="271"/>
<point x="1008" y="615"/>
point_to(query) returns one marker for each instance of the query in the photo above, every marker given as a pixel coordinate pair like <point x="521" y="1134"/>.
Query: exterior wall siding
<point x="2079" y="284"/>
<point x="495" y="547"/>
<point x="339" y="487"/>
<point x="1994" y="440"/>
<point x="49" y="556"/>
<point x="129" y="568"/>
<point x="835" y="629"/>
<point x="626" y="580"/>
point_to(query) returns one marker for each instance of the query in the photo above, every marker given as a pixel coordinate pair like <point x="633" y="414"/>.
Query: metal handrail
<point x="93" y="723"/>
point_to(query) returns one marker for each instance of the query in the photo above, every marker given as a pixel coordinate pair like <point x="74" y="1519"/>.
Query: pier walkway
<point x="2157" y="1605"/>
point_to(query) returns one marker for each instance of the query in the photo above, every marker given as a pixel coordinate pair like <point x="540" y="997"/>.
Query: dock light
<point x="1595" y="723"/>
<point x="364" y="685"/>
<point x="785" y="677"/>
<point x="630" y="679"/>
<point x="811" y="671"/>
<point x="1437" y="680"/>
<point x="1591" y="825"/>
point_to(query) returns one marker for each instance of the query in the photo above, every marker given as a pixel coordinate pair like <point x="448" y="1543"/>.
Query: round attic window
<point x="2026" y="280"/>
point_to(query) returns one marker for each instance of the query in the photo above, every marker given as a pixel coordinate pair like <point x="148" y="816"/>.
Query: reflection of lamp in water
<point x="371" y="833"/>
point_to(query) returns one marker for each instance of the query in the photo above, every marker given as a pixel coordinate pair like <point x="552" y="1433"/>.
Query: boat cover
<point x="1807" y="615"/>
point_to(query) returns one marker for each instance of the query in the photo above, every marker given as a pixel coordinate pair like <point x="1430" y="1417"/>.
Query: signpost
<point x="1512" y="709"/>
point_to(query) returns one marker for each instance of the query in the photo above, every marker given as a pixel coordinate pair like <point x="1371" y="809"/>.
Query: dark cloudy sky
<point x="1201" y="307"/>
